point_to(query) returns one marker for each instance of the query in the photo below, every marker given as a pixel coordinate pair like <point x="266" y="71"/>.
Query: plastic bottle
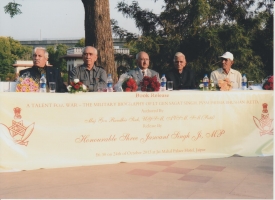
<point x="109" y="83"/>
<point x="43" y="82"/>
<point x="163" y="83"/>
<point x="244" y="82"/>
<point x="205" y="81"/>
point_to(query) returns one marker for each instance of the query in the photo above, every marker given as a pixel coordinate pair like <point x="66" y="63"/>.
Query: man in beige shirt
<point x="227" y="72"/>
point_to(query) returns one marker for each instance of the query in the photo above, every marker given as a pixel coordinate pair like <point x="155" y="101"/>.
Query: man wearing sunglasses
<point x="227" y="72"/>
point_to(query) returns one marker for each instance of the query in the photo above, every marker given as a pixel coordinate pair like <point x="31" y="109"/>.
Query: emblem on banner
<point x="264" y="124"/>
<point x="18" y="131"/>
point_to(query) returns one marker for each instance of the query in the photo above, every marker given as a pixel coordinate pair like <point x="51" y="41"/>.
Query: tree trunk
<point x="98" y="33"/>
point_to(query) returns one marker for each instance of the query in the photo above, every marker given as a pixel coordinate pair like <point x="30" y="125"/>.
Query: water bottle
<point x="244" y="82"/>
<point x="163" y="83"/>
<point x="205" y="81"/>
<point x="43" y="82"/>
<point x="109" y="83"/>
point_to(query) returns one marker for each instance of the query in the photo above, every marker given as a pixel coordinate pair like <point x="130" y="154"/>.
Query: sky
<point x="59" y="19"/>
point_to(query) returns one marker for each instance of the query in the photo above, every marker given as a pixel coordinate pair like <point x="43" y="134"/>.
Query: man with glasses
<point x="142" y="61"/>
<point x="227" y="72"/>
<point x="89" y="74"/>
<point x="183" y="77"/>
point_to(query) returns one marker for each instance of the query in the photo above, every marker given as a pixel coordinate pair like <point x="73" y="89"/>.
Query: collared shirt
<point x="233" y="75"/>
<point x="90" y="78"/>
<point x="143" y="71"/>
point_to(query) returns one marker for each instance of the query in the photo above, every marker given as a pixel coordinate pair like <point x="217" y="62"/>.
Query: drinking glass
<point x="169" y="85"/>
<point x="52" y="87"/>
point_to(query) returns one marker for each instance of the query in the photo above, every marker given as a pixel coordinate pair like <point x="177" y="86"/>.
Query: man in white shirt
<point x="227" y="72"/>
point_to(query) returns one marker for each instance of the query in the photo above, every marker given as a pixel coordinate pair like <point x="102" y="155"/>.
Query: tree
<point x="97" y="30"/>
<point x="10" y="51"/>
<point x="203" y="30"/>
<point x="81" y="43"/>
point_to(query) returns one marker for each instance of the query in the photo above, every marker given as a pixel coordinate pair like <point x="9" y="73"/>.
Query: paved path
<point x="224" y="178"/>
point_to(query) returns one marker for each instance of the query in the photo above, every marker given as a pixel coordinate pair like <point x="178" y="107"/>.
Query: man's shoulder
<point x="153" y="71"/>
<point x="133" y="70"/>
<point x="219" y="70"/>
<point x="25" y="70"/>
<point x="234" y="71"/>
<point x="100" y="68"/>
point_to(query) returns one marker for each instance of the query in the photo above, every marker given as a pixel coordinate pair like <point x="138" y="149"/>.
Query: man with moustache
<point x="40" y="58"/>
<point x="89" y="74"/>
<point x="227" y="72"/>
<point x="142" y="61"/>
<point x="183" y="78"/>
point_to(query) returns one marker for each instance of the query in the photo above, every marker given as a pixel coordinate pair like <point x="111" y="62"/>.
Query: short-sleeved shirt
<point x="234" y="76"/>
<point x="90" y="78"/>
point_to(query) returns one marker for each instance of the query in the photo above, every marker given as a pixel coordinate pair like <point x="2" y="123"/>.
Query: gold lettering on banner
<point x="127" y="137"/>
<point x="134" y="119"/>
<point x="252" y="102"/>
<point x="152" y="110"/>
<point x="71" y="105"/>
<point x="41" y="105"/>
<point x="155" y="118"/>
<point x="216" y="133"/>
<point x="178" y="135"/>
<point x="198" y="136"/>
<point x="91" y="120"/>
<point x="104" y="104"/>
<point x="87" y="139"/>
<point x="154" y="137"/>
<point x="122" y="119"/>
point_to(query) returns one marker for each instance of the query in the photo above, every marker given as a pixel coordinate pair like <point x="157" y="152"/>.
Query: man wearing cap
<point x="227" y="72"/>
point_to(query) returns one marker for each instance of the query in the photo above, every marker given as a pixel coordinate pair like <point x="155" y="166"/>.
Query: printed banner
<point x="49" y="130"/>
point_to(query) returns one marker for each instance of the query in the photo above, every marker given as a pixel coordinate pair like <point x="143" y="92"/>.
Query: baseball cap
<point x="227" y="55"/>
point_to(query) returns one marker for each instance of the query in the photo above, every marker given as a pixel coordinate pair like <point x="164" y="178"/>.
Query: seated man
<point x="89" y="74"/>
<point x="227" y="72"/>
<point x="40" y="58"/>
<point x="182" y="77"/>
<point x="142" y="61"/>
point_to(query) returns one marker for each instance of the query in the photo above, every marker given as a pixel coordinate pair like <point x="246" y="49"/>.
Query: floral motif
<point x="150" y="84"/>
<point x="225" y="85"/>
<point x="268" y="83"/>
<point x="27" y="84"/>
<point x="129" y="85"/>
<point x="76" y="86"/>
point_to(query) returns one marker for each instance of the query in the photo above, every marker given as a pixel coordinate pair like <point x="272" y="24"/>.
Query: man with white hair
<point x="227" y="72"/>
<point x="52" y="74"/>
<point x="89" y="74"/>
<point x="183" y="77"/>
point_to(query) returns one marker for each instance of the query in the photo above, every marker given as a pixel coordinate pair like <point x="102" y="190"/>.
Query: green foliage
<point x="12" y="9"/>
<point x="55" y="56"/>
<point x="10" y="51"/>
<point x="81" y="43"/>
<point x="203" y="31"/>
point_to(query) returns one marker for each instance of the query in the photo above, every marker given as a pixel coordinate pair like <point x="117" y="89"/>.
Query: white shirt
<point x="145" y="71"/>
<point x="233" y="75"/>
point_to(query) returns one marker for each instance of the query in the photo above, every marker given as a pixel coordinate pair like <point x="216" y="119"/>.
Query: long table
<point x="50" y="130"/>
